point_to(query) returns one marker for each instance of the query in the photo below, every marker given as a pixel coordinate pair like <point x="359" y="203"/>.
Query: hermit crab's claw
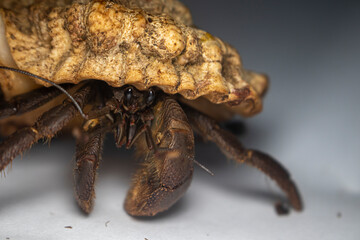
<point x="167" y="169"/>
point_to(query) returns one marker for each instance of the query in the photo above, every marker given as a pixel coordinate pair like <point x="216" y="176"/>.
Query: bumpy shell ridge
<point x="142" y="43"/>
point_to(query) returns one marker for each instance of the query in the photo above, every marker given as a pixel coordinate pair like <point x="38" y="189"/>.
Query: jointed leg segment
<point x="89" y="143"/>
<point x="88" y="155"/>
<point x="48" y="125"/>
<point x="29" y="101"/>
<point x="232" y="148"/>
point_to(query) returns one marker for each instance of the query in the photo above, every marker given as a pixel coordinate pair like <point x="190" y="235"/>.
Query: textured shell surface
<point x="143" y="43"/>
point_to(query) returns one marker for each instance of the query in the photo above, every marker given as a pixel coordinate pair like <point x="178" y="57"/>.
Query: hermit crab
<point x="138" y="69"/>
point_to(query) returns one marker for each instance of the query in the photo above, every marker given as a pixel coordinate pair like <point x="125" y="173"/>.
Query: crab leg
<point x="166" y="173"/>
<point x="89" y="143"/>
<point x="29" y="101"/>
<point x="47" y="125"/>
<point x="88" y="155"/>
<point x="232" y="148"/>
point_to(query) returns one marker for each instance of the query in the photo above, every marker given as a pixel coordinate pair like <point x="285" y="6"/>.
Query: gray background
<point x="310" y="123"/>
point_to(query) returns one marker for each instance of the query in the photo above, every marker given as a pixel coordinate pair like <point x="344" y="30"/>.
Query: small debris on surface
<point x="339" y="215"/>
<point x="7" y="238"/>
<point x="281" y="209"/>
<point x="106" y="223"/>
<point x="68" y="227"/>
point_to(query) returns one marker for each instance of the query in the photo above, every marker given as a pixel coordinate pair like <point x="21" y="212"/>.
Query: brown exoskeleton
<point x="161" y="130"/>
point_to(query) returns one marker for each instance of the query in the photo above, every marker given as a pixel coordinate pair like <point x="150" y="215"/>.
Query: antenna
<point x="204" y="168"/>
<point x="50" y="82"/>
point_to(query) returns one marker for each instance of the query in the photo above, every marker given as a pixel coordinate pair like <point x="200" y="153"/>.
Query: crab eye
<point x="128" y="94"/>
<point x="151" y="96"/>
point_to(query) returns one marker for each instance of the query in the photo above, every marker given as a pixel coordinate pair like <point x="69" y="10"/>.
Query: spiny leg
<point x="48" y="125"/>
<point x="29" y="101"/>
<point x="88" y="155"/>
<point x="232" y="148"/>
<point x="166" y="173"/>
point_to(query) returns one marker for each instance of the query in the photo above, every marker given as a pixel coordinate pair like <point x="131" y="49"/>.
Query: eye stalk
<point x="134" y="100"/>
<point x="151" y="96"/>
